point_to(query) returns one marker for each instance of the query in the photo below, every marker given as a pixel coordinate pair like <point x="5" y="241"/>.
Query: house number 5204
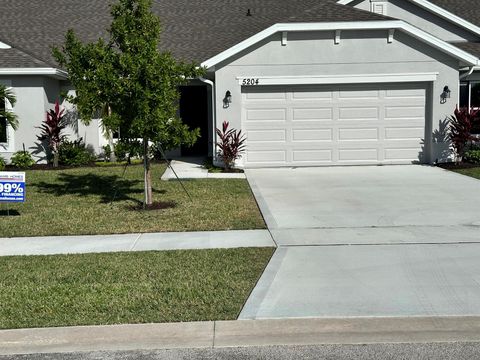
<point x="251" y="81"/>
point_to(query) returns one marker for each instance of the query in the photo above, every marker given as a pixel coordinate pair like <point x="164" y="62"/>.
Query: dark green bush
<point x="22" y="160"/>
<point x="124" y="148"/>
<point x="2" y="163"/>
<point x="472" y="156"/>
<point x="107" y="152"/>
<point x="74" y="153"/>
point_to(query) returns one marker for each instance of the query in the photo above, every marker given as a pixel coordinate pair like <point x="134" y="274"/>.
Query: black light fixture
<point x="227" y="100"/>
<point x="445" y="95"/>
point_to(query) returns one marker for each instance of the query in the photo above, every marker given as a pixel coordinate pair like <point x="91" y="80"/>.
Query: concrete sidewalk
<point x="240" y="333"/>
<point x="134" y="242"/>
<point x="193" y="168"/>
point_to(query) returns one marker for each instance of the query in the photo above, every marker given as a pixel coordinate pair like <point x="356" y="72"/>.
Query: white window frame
<point x="9" y="146"/>
<point x="469" y="85"/>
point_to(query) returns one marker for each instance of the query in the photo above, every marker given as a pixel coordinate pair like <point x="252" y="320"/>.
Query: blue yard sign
<point x="12" y="186"/>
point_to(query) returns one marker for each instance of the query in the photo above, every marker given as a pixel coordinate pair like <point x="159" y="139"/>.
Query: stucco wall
<point x="359" y="52"/>
<point x="423" y="19"/>
<point x="36" y="95"/>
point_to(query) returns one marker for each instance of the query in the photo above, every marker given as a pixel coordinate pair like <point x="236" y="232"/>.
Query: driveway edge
<point x="241" y="333"/>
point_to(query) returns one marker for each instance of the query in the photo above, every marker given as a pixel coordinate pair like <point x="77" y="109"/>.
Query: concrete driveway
<point x="368" y="241"/>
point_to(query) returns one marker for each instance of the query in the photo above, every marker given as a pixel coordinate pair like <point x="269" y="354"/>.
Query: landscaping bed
<point x="117" y="288"/>
<point x="105" y="200"/>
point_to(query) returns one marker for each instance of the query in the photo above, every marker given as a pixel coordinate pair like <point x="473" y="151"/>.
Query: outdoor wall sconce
<point x="227" y="100"/>
<point x="445" y="95"/>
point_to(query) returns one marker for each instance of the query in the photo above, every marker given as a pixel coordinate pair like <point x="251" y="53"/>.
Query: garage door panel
<point x="335" y="125"/>
<point x="405" y="93"/>
<point x="312" y="135"/>
<point x="358" y="155"/>
<point x="360" y="94"/>
<point x="359" y="113"/>
<point x="321" y="114"/>
<point x="402" y="153"/>
<point x="266" y="156"/>
<point x="313" y="156"/>
<point x="358" y="134"/>
<point x="266" y="115"/>
<point x="278" y="135"/>
<point x="312" y="95"/>
<point x="265" y="95"/>
<point x="405" y="112"/>
<point x="404" y="133"/>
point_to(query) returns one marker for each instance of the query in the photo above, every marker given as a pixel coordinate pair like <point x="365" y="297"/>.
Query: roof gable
<point x="464" y="13"/>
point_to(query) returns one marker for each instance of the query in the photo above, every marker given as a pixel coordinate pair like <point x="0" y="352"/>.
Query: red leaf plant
<point x="51" y="130"/>
<point x="231" y="145"/>
<point x="460" y="130"/>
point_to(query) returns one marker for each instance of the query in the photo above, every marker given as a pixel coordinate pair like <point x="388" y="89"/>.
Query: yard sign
<point x="12" y="186"/>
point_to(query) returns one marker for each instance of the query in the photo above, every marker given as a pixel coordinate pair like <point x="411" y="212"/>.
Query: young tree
<point x="7" y="95"/>
<point x="128" y="74"/>
<point x="51" y="130"/>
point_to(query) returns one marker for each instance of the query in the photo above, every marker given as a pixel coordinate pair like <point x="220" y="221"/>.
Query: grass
<point x="81" y="201"/>
<point x="471" y="171"/>
<point x="116" y="288"/>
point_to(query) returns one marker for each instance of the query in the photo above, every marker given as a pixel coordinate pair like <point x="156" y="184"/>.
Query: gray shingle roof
<point x="470" y="47"/>
<point x="19" y="59"/>
<point x="466" y="9"/>
<point x="192" y="29"/>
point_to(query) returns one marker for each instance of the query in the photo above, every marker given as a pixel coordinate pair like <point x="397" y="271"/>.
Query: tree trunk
<point x="147" y="175"/>
<point x="113" y="158"/>
<point x="55" y="159"/>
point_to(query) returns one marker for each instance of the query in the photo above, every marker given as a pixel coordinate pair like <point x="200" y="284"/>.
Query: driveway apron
<point x="368" y="241"/>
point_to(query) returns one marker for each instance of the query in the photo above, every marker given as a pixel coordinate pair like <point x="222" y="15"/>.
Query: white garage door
<point x="334" y="125"/>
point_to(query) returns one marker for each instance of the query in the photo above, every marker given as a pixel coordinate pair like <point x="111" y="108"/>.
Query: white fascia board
<point x="57" y="73"/>
<point x="340" y="79"/>
<point x="437" y="10"/>
<point x="353" y="25"/>
<point x="4" y="46"/>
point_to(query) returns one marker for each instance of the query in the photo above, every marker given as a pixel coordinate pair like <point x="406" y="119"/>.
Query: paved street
<point x="433" y="351"/>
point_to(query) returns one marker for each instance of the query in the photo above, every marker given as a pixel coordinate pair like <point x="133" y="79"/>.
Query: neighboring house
<point x="311" y="82"/>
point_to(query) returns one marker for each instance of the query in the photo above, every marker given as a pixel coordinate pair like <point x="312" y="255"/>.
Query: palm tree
<point x="7" y="95"/>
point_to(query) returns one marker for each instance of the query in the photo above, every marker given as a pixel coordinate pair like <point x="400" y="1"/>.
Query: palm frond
<point x="8" y="95"/>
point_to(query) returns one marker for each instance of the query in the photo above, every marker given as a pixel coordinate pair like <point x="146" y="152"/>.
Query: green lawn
<point x="79" y="201"/>
<point x="471" y="171"/>
<point x="115" y="288"/>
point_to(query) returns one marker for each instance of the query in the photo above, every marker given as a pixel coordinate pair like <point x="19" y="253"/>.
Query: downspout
<point x="214" y="110"/>
<point x="470" y="72"/>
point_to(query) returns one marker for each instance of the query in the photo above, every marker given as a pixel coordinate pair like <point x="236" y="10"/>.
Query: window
<point x="470" y="99"/>
<point x="3" y="125"/>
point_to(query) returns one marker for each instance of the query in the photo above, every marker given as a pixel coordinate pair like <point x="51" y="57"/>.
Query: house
<point x="310" y="82"/>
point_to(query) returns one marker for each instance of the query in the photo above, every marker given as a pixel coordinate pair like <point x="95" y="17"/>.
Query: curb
<point x="241" y="333"/>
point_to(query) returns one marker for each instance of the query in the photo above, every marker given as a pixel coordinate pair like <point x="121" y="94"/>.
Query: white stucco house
<point x="310" y="82"/>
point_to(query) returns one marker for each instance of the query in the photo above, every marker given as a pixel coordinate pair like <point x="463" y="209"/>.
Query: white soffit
<point x="334" y="26"/>
<point x="337" y="79"/>
<point x="441" y="12"/>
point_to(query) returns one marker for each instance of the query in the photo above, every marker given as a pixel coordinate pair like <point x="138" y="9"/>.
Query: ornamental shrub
<point x="472" y="156"/>
<point x="3" y="163"/>
<point x="460" y="130"/>
<point x="22" y="159"/>
<point x="231" y="145"/>
<point x="74" y="153"/>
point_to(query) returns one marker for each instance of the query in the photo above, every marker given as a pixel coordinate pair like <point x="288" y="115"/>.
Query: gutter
<point x="53" y="72"/>
<point x="214" y="110"/>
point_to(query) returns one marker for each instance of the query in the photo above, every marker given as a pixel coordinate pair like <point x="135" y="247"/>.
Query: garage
<point x="348" y="124"/>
